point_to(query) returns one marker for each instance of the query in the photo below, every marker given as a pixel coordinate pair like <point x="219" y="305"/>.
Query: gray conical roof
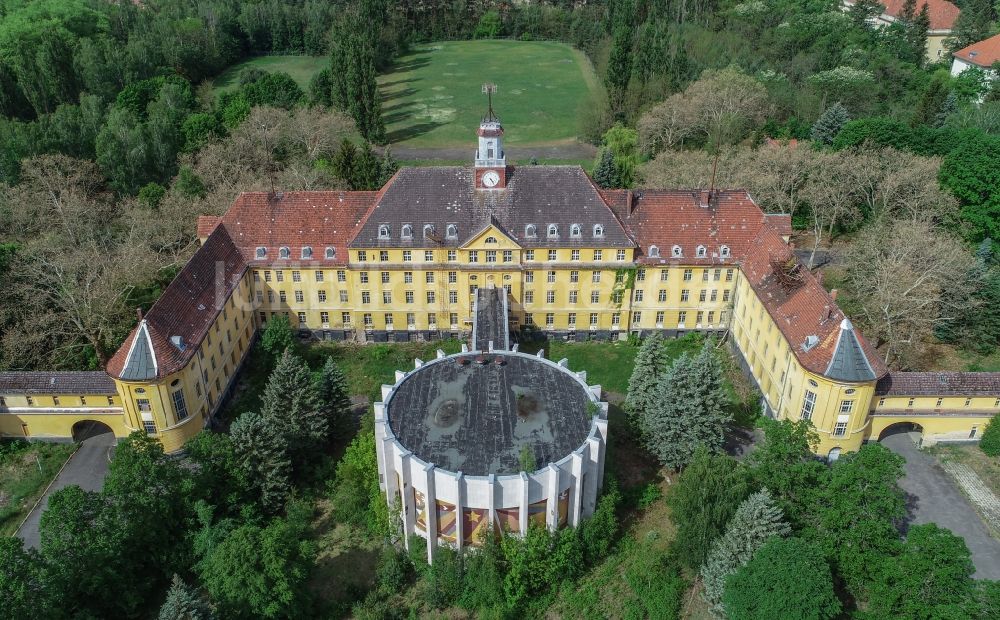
<point x="141" y="361"/>
<point x="849" y="362"/>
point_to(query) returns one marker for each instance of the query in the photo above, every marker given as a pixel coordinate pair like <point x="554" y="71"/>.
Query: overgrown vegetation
<point x="25" y="470"/>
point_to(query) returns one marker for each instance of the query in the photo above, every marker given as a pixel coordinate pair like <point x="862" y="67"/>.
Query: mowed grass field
<point x="301" y="68"/>
<point x="433" y="96"/>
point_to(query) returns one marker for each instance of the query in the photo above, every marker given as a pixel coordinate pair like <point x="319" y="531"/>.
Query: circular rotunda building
<point x="489" y="440"/>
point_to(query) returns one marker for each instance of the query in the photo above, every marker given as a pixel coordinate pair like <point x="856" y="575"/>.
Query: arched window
<point x="724" y="251"/>
<point x="407" y="232"/>
<point x="383" y="231"/>
<point x="654" y="252"/>
<point x="284" y="252"/>
<point x="331" y="253"/>
<point x="598" y="230"/>
<point x="428" y="230"/>
<point x="574" y="231"/>
<point x="530" y="231"/>
<point x="452" y="231"/>
<point x="307" y="252"/>
<point x="491" y="240"/>
<point x="553" y="230"/>
<point x="700" y="251"/>
<point x="261" y="253"/>
<point x="676" y="251"/>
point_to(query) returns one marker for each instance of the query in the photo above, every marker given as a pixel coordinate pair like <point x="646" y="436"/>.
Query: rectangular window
<point x="385" y="277"/>
<point x="263" y="317"/>
<point x="529" y="276"/>
<point x="491" y="256"/>
<point x="411" y="319"/>
<point x="452" y="277"/>
<point x="362" y="256"/>
<point x="938" y="403"/>
<point x="620" y="255"/>
<point x="386" y="297"/>
<point x="280" y="275"/>
<point x="638" y="295"/>
<point x="431" y="298"/>
<point x="267" y="276"/>
<point x="636" y="318"/>
<point x="550" y="297"/>
<point x="659" y="318"/>
<point x="685" y="294"/>
<point x="574" y="255"/>
<point x="366" y="297"/>
<point x="281" y="296"/>
<point x="715" y="295"/>
<point x="256" y="276"/>
<point x="453" y="297"/>
<point x="704" y="275"/>
<point x="432" y="320"/>
<point x="840" y="429"/>
<point x="701" y="295"/>
<point x="598" y="254"/>
<point x="180" y="407"/>
<point x="367" y="318"/>
<point x="452" y="256"/>
<point x="473" y="288"/>
<point x="725" y="295"/>
<point x="574" y="276"/>
<point x="321" y="295"/>
<point x="508" y="256"/>
<point x="429" y="277"/>
<point x="595" y="297"/>
<point x="716" y="274"/>
<point x="682" y="317"/>
<point x="662" y="295"/>
<point x="324" y="318"/>
<point x="364" y="277"/>
<point x="529" y="255"/>
<point x="729" y="275"/>
<point x="698" y="317"/>
<point x="383" y="256"/>
<point x="343" y="296"/>
<point x="319" y="275"/>
<point x="453" y="319"/>
<point x="687" y="274"/>
<point x="572" y="319"/>
<point x="345" y="318"/>
<point x="968" y="401"/>
<point x="550" y="276"/>
<point x="808" y="405"/>
<point x="299" y="297"/>
<point x="302" y="318"/>
<point x="572" y="297"/>
<point x="616" y="319"/>
<point x="341" y="275"/>
<point x="595" y="277"/>
<point x="552" y="255"/>
<point x="407" y="277"/>
<point x="593" y="319"/>
<point x="550" y="319"/>
<point x="473" y="256"/>
<point x="296" y="276"/>
<point x="149" y="426"/>
<point x="409" y="296"/>
<point x="428" y="256"/>
<point x="529" y="297"/>
<point x="664" y="273"/>
<point x="407" y="256"/>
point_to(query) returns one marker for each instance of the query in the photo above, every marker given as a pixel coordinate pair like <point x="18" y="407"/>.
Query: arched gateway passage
<point x="87" y="429"/>
<point x="899" y="428"/>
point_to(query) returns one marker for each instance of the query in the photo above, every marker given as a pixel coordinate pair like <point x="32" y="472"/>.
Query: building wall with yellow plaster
<point x="53" y="416"/>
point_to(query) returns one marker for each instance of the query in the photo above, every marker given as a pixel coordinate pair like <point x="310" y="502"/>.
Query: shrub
<point x="990" y="441"/>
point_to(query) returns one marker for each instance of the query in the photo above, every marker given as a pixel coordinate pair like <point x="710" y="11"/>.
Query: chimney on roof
<point x="629" y="202"/>
<point x="833" y="294"/>
<point x="138" y="313"/>
<point x="705" y="198"/>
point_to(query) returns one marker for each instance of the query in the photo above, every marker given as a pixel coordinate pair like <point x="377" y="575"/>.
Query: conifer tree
<point x="650" y="363"/>
<point x="829" y="124"/>
<point x="291" y="404"/>
<point x="863" y="11"/>
<point x="262" y="459"/>
<point x="183" y="603"/>
<point x="972" y="25"/>
<point x="689" y="409"/>
<point x="335" y="402"/>
<point x="756" y="520"/>
<point x="605" y="174"/>
<point x="387" y="167"/>
<point x="948" y="107"/>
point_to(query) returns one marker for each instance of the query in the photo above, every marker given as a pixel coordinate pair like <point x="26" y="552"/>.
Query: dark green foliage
<point x="990" y="441"/>
<point x="657" y="582"/>
<point x="689" y="409"/>
<point x="291" y="405"/>
<point x="387" y="167"/>
<point x="442" y="584"/>
<point x="756" y="521"/>
<point x="217" y="474"/>
<point x="272" y="89"/>
<point x="599" y="532"/>
<point x="526" y="459"/>
<point x="151" y="194"/>
<point x="262" y="572"/>
<point x="394" y="571"/>
<point x="262" y="459"/>
<point x="605" y="173"/>
<point x="787" y="578"/>
<point x="277" y="336"/>
<point x="189" y="184"/>
<point x="971" y="173"/>
<point x="704" y="499"/>
<point x="355" y="493"/>
<point x="334" y="400"/>
<point x="184" y="603"/>
<point x="351" y="79"/>
<point x="972" y="25"/>
<point x="829" y="124"/>
<point x="489" y="26"/>
<point x="484" y="592"/>
<point x="650" y="363"/>
<point x="930" y="578"/>
<point x="199" y="129"/>
<point x="23" y="594"/>
<point x="785" y="465"/>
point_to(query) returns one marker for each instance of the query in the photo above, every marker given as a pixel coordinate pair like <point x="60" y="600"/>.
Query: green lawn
<point x="433" y="96"/>
<point x="301" y="68"/>
<point x="25" y="470"/>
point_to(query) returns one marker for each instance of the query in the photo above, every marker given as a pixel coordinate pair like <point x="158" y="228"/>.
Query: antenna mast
<point x="488" y="89"/>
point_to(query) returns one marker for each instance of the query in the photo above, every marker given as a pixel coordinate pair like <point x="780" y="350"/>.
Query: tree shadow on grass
<point x="412" y="131"/>
<point x="406" y="92"/>
<point x="413" y="62"/>
<point x="396" y="82"/>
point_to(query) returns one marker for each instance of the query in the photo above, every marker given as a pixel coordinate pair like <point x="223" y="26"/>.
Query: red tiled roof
<point x="982" y="53"/>
<point x="781" y="222"/>
<point x="206" y="224"/>
<point x="296" y="220"/>
<point x="941" y="12"/>
<point x="189" y="305"/>
<point x="939" y="384"/>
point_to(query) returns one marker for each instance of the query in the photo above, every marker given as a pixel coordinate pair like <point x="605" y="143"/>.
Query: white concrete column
<point x="576" y="489"/>
<point x="387" y="469"/>
<point x="552" y="503"/>
<point x="491" y="503"/>
<point x="460" y="497"/>
<point x="523" y="513"/>
<point x="602" y="429"/>
<point x="430" y="500"/>
<point x="384" y="459"/>
<point x="593" y="476"/>
<point x="406" y="503"/>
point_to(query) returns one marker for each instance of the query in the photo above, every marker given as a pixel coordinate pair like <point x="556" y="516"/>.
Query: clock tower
<point x="491" y="163"/>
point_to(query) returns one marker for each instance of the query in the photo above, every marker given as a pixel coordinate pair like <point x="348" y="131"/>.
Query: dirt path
<point x="569" y="149"/>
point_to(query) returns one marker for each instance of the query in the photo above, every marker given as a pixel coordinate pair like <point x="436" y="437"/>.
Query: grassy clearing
<point x="433" y="96"/>
<point x="25" y="470"/>
<point x="301" y="68"/>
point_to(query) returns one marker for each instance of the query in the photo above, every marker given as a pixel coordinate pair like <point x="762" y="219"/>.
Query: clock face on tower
<point x="490" y="179"/>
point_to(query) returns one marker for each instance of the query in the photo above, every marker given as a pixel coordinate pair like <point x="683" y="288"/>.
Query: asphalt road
<point x="936" y="498"/>
<point x="87" y="468"/>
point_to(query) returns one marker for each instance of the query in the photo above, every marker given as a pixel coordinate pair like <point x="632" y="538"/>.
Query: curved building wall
<point x="446" y="507"/>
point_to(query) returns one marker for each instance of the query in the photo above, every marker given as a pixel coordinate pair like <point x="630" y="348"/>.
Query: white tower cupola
<point x="491" y="162"/>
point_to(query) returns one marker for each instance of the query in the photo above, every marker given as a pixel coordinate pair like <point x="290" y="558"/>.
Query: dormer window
<point x="676" y="251"/>
<point x="331" y="253"/>
<point x="574" y="231"/>
<point x="553" y="231"/>
<point x="598" y="231"/>
<point x="451" y="232"/>
<point x="260" y="253"/>
<point x="284" y="252"/>
<point x="428" y="230"/>
<point x="492" y="240"/>
<point x="700" y="252"/>
<point x="406" y="232"/>
<point x="307" y="252"/>
<point x="383" y="231"/>
<point x="530" y="231"/>
<point x="654" y="252"/>
<point x="724" y="251"/>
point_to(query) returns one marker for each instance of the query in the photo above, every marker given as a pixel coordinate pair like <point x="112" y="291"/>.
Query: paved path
<point x="87" y="468"/>
<point x="935" y="498"/>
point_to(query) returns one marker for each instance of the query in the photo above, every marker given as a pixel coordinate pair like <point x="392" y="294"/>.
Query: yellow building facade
<point x="576" y="263"/>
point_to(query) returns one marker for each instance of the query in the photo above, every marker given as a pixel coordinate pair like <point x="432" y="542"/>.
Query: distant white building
<point x="982" y="55"/>
<point x="942" y="16"/>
